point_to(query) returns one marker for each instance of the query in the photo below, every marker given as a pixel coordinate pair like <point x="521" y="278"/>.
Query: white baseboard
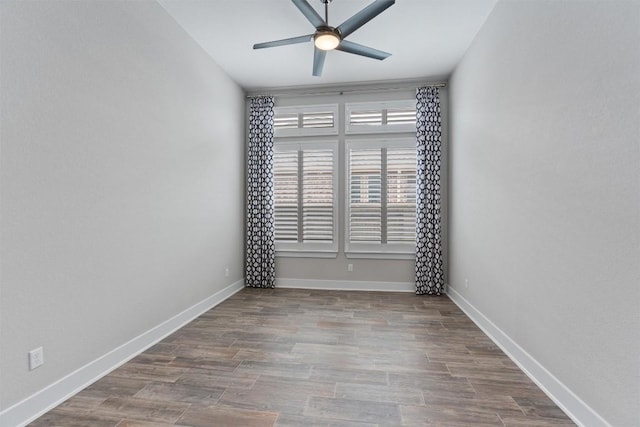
<point x="581" y="413"/>
<point x="346" y="285"/>
<point x="49" y="397"/>
<point x="46" y="399"/>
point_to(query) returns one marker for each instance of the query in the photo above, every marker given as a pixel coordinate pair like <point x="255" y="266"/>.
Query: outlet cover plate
<point x="36" y="358"/>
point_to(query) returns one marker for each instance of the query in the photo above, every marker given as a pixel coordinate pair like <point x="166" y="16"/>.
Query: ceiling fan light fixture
<point x="327" y="37"/>
<point x="326" y="40"/>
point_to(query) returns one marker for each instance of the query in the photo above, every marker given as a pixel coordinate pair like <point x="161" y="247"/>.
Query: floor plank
<point x="295" y="357"/>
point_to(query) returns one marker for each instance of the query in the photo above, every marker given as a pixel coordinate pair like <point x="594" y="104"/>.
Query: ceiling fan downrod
<point x="326" y="10"/>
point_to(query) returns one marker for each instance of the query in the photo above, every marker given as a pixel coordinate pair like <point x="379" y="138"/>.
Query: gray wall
<point x="122" y="184"/>
<point x="371" y="270"/>
<point x="545" y="190"/>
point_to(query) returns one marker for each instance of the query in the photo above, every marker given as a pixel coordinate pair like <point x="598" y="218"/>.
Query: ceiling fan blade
<point x="364" y="16"/>
<point x="283" y="42"/>
<point x="318" y="61"/>
<point x="309" y="12"/>
<point x="358" y="49"/>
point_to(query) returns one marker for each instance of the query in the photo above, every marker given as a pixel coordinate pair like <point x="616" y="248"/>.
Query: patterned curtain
<point x="260" y="251"/>
<point x="429" y="267"/>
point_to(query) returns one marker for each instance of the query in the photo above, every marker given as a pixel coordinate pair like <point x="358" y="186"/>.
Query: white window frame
<point x="300" y="111"/>
<point x="313" y="249"/>
<point x="382" y="106"/>
<point x="373" y="250"/>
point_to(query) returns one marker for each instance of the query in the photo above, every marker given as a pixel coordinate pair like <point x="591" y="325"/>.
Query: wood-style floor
<point x="288" y="357"/>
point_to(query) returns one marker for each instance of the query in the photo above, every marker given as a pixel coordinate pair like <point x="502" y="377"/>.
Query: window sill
<point x="381" y="255"/>
<point x="306" y="254"/>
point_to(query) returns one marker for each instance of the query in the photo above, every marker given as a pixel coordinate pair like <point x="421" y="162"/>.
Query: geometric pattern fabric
<point x="429" y="264"/>
<point x="260" y="244"/>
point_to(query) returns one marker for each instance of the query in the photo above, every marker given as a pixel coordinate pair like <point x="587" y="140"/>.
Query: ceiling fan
<point x="328" y="38"/>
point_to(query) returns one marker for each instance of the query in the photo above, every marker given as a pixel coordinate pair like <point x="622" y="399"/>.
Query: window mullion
<point x="383" y="195"/>
<point x="300" y="195"/>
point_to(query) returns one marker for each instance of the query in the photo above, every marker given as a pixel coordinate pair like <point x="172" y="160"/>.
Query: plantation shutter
<point x="382" y="195"/>
<point x="285" y="120"/>
<point x="393" y="116"/>
<point x="304" y="195"/>
<point x="365" y="190"/>
<point x="322" y="119"/>
<point x="401" y="195"/>
<point x="310" y="120"/>
<point x="401" y="116"/>
<point x="317" y="195"/>
<point x="365" y="117"/>
<point x="285" y="180"/>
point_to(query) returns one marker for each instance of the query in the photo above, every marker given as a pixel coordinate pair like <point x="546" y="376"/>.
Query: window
<point x="305" y="202"/>
<point x="376" y="203"/>
<point x="392" y="116"/>
<point x="381" y="197"/>
<point x="307" y="120"/>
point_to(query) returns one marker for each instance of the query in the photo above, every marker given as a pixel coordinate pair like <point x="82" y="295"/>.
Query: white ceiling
<point x="427" y="38"/>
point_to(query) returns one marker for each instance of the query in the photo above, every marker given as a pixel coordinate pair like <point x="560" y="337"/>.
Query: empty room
<point x="319" y="213"/>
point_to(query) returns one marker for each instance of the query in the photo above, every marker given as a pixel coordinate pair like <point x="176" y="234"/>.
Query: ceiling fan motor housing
<point x="326" y="38"/>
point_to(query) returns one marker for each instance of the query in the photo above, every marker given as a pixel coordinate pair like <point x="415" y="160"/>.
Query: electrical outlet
<point x="349" y="267"/>
<point x="36" y="358"/>
<point x="466" y="283"/>
<point x="226" y="272"/>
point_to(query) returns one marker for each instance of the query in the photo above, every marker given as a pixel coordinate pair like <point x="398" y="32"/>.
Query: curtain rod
<point x="334" y="91"/>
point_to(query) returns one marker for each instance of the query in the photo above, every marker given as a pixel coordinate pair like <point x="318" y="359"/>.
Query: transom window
<point x="392" y="116"/>
<point x="306" y="120"/>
